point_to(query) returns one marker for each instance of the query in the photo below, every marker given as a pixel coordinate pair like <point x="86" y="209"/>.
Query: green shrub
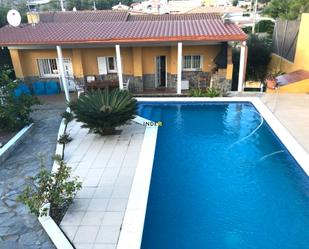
<point x="212" y="92"/>
<point x="65" y="138"/>
<point x="235" y="2"/>
<point x="247" y="30"/>
<point x="208" y="92"/>
<point x="265" y="26"/>
<point x="103" y="111"/>
<point x="197" y="92"/>
<point x="14" y="111"/>
<point x="68" y="117"/>
<point x="56" y="188"/>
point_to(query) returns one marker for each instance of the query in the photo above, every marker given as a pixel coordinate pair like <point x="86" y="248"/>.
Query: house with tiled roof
<point x="150" y="52"/>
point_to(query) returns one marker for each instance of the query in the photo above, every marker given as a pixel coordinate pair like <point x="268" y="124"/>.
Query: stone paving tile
<point x="108" y="234"/>
<point x="86" y="234"/>
<point x="293" y="112"/>
<point x="93" y="218"/>
<point x="18" y="228"/>
<point x="107" y="170"/>
<point x="104" y="246"/>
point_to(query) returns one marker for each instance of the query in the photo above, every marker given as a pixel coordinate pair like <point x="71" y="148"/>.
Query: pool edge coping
<point x="133" y="223"/>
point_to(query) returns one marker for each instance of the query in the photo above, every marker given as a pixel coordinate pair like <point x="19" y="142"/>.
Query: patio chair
<point x="126" y="85"/>
<point x="79" y="87"/>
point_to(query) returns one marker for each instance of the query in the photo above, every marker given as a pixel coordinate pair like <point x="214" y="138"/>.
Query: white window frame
<point x="192" y="68"/>
<point x="103" y="65"/>
<point x="40" y="63"/>
<point x="115" y="64"/>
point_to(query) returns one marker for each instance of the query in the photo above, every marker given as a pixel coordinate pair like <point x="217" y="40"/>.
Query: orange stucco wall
<point x="28" y="59"/>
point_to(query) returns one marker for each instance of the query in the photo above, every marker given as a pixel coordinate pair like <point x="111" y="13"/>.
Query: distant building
<point x="216" y="3"/>
<point x="151" y="7"/>
<point x="165" y="7"/>
<point x="34" y="4"/>
<point x="244" y="4"/>
<point x="120" y="6"/>
<point x="183" y="6"/>
<point x="232" y="10"/>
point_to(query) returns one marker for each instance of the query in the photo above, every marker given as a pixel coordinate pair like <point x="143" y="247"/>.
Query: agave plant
<point x="103" y="111"/>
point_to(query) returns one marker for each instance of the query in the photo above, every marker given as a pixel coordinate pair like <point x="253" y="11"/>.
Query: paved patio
<point x="18" y="228"/>
<point x="106" y="166"/>
<point x="292" y="110"/>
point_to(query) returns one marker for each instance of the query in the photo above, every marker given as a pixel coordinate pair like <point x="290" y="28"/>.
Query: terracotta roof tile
<point x="144" y="29"/>
<point x="84" y="16"/>
<point x="173" y="17"/>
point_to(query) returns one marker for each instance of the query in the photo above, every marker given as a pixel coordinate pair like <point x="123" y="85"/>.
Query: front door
<point x="68" y="72"/>
<point x="160" y="77"/>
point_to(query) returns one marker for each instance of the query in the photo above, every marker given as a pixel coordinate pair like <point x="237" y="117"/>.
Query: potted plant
<point x="103" y="111"/>
<point x="271" y="81"/>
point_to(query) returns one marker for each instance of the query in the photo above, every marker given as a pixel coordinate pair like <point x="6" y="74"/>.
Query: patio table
<point x="102" y="84"/>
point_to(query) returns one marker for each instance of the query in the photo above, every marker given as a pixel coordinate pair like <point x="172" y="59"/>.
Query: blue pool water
<point x="215" y="186"/>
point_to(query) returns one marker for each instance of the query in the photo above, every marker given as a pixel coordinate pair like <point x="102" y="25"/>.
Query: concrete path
<point x="18" y="228"/>
<point x="292" y="110"/>
<point x="106" y="166"/>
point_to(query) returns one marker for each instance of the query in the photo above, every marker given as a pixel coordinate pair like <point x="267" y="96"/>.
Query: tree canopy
<point x="286" y="9"/>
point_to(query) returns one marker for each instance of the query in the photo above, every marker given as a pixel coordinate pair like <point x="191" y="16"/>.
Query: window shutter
<point x="102" y="65"/>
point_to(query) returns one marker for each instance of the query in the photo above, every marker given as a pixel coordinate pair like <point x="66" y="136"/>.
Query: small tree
<point x="64" y="139"/>
<point x="103" y="111"/>
<point x="286" y="9"/>
<point x="14" y="111"/>
<point x="235" y="2"/>
<point x="259" y="55"/>
<point x="54" y="188"/>
<point x="68" y="117"/>
<point x="265" y="26"/>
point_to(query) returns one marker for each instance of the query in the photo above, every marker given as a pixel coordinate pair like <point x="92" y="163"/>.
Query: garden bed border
<point x="54" y="232"/>
<point x="8" y="148"/>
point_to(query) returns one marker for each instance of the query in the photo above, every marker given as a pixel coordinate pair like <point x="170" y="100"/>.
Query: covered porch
<point x="165" y="68"/>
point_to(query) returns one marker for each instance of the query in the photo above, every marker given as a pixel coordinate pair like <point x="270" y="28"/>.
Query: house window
<point x="107" y="65"/>
<point x="48" y="68"/>
<point x="111" y="65"/>
<point x="192" y="62"/>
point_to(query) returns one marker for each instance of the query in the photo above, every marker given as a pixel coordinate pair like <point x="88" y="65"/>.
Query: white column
<point x="62" y="73"/>
<point x="242" y="66"/>
<point x="179" y="67"/>
<point x="119" y="67"/>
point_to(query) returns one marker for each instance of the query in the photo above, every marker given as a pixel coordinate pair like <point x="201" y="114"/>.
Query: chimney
<point x="33" y="17"/>
<point x="226" y="18"/>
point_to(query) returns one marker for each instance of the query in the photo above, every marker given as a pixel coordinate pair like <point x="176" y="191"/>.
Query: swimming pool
<point x="222" y="179"/>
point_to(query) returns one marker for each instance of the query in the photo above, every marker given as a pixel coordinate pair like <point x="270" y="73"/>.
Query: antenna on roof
<point x="226" y="18"/>
<point x="13" y="17"/>
<point x="62" y="5"/>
